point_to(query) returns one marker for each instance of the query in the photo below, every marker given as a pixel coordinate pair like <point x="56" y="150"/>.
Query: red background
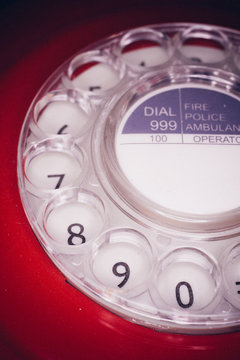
<point x="41" y="316"/>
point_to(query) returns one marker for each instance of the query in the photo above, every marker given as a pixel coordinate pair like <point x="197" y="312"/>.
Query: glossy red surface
<point x="42" y="316"/>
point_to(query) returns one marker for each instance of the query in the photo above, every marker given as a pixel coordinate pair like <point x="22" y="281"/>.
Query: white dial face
<point x="178" y="147"/>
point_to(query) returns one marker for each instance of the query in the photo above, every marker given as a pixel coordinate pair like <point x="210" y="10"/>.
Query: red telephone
<point x="66" y="305"/>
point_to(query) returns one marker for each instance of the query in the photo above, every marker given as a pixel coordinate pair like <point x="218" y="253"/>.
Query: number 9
<point x="126" y="273"/>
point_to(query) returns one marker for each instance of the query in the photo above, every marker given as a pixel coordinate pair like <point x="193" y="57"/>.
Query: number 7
<point x="60" y="176"/>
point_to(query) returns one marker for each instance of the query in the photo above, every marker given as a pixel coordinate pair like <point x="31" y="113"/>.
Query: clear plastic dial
<point x="127" y="168"/>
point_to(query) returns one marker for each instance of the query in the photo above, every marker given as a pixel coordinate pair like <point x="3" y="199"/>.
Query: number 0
<point x="178" y="295"/>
